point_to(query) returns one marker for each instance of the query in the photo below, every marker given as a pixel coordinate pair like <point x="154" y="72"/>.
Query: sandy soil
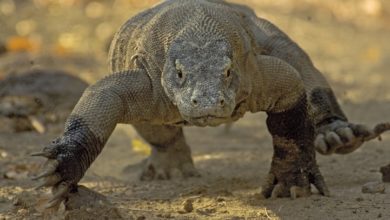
<point x="349" y="44"/>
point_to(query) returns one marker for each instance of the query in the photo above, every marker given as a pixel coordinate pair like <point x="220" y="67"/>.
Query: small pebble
<point x="22" y="212"/>
<point x="3" y="154"/>
<point x="16" y="202"/>
<point x="220" y="199"/>
<point x="165" y="215"/>
<point x="373" y="187"/>
<point x="188" y="206"/>
<point x="359" y="199"/>
<point x="385" y="170"/>
<point x="141" y="217"/>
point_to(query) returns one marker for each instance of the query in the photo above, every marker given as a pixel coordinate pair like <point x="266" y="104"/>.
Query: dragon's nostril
<point x="194" y="102"/>
<point x="222" y="102"/>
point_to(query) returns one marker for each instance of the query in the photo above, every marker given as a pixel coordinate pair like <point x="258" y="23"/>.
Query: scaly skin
<point x="204" y="63"/>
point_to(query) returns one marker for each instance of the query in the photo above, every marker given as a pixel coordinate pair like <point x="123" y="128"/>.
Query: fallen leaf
<point x="140" y="147"/>
<point x="17" y="44"/>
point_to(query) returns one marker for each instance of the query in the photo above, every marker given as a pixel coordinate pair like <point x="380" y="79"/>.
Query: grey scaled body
<point x="204" y="63"/>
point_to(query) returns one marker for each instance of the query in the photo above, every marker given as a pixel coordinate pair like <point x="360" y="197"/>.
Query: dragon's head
<point x="201" y="80"/>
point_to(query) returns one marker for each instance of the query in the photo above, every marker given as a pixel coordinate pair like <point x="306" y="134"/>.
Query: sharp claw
<point x="296" y="192"/>
<point x="362" y="131"/>
<point x="334" y="140"/>
<point x="268" y="186"/>
<point x="41" y="154"/>
<point x="51" y="168"/>
<point x="189" y="170"/>
<point x="47" y="152"/>
<point x="49" y="181"/>
<point x="369" y="134"/>
<point x="318" y="181"/>
<point x="52" y="204"/>
<point x="382" y="127"/>
<point x="321" y="145"/>
<point x="43" y="174"/>
<point x="325" y="191"/>
<point x="346" y="133"/>
<point x="276" y="191"/>
<point x="161" y="175"/>
<point x="62" y="190"/>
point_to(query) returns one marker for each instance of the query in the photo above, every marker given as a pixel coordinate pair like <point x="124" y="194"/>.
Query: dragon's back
<point x="144" y="40"/>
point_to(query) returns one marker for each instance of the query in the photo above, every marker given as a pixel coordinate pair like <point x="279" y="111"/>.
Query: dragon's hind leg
<point x="170" y="157"/>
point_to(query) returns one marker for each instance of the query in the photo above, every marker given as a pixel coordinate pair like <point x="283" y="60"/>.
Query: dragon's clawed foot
<point x="168" y="165"/>
<point x="342" y="137"/>
<point x="61" y="171"/>
<point x="294" y="185"/>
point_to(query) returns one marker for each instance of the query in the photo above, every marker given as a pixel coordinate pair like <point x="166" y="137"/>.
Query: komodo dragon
<point x="204" y="63"/>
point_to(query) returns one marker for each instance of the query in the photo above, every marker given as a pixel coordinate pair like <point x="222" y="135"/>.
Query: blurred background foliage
<point x="85" y="26"/>
<point x="336" y="33"/>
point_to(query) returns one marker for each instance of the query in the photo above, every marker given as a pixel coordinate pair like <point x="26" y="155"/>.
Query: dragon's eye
<point x="179" y="74"/>
<point x="228" y="73"/>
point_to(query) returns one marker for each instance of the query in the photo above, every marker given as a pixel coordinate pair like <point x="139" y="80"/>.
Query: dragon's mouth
<point x="207" y="120"/>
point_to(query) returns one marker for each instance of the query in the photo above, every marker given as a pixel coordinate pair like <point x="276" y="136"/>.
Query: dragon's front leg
<point x="294" y="166"/>
<point x="282" y="95"/>
<point x="114" y="99"/>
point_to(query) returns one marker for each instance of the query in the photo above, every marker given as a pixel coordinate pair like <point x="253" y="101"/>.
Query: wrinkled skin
<point x="204" y="63"/>
<point x="200" y="80"/>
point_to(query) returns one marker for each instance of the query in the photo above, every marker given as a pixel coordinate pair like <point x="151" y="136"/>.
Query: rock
<point x="88" y="204"/>
<point x="86" y="198"/>
<point x="359" y="199"/>
<point x="13" y="175"/>
<point x="187" y="206"/>
<point x="33" y="98"/>
<point x="207" y="211"/>
<point x="373" y="187"/>
<point x="3" y="153"/>
<point x="16" y="202"/>
<point x="385" y="173"/>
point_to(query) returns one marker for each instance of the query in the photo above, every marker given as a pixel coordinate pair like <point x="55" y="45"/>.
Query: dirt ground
<point x="347" y="40"/>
